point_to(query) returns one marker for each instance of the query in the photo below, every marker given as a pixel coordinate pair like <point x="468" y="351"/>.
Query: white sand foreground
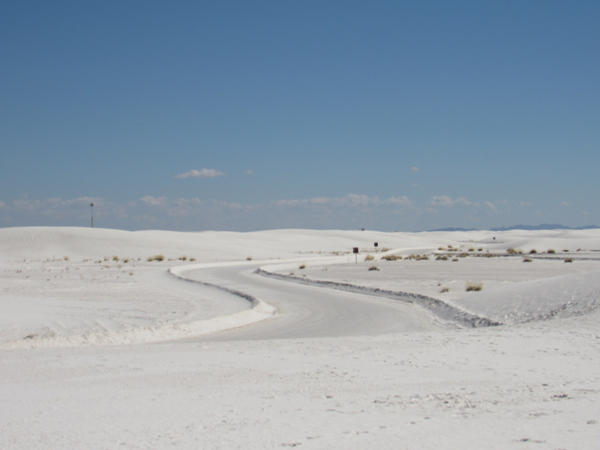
<point x="532" y="383"/>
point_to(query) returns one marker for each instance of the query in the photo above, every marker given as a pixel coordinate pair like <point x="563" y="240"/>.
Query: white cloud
<point x="349" y="201"/>
<point x="248" y="172"/>
<point x="204" y="173"/>
<point x="444" y="200"/>
<point x="154" y="201"/>
<point x="565" y="204"/>
<point x="491" y="206"/>
<point x="414" y="169"/>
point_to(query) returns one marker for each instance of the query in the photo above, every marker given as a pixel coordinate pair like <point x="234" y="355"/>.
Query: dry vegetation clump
<point x="303" y="266"/>
<point x="115" y="258"/>
<point x="473" y="286"/>
<point x="444" y="289"/>
<point x="391" y="257"/>
<point x="125" y="260"/>
<point x="463" y="255"/>
<point x="454" y="259"/>
<point x="373" y="268"/>
<point x="192" y="259"/>
<point x="249" y="258"/>
<point x="418" y="257"/>
<point x="566" y="250"/>
<point x="156" y="258"/>
<point x="527" y="260"/>
<point x="66" y="258"/>
<point x="369" y="258"/>
<point x="385" y="249"/>
<point x="442" y="258"/>
<point x="569" y="260"/>
<point x="471" y="249"/>
<point x="182" y="258"/>
<point x="480" y="249"/>
<point x="551" y="251"/>
<point x="533" y="251"/>
<point x="512" y="251"/>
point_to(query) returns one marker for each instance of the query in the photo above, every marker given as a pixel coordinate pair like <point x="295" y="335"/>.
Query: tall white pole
<point x="92" y="206"/>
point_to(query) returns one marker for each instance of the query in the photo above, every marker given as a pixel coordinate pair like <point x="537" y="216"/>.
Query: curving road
<point x="307" y="311"/>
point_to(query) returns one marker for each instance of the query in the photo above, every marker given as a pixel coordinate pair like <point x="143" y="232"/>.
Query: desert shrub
<point x="440" y="248"/>
<point x="444" y="289"/>
<point x="183" y="258"/>
<point x="192" y="259"/>
<point x="385" y="249"/>
<point x="532" y="251"/>
<point x="150" y="258"/>
<point x="373" y="268"/>
<point x="292" y="274"/>
<point x="512" y="251"/>
<point x="551" y="250"/>
<point x="463" y="255"/>
<point x="566" y="250"/>
<point x="473" y="286"/>
<point x="422" y="258"/>
<point x="480" y="249"/>
<point x="527" y="260"/>
<point x="442" y="258"/>
<point x="125" y="260"/>
<point x="411" y="256"/>
<point x="115" y="258"/>
<point x="303" y="266"/>
<point x="369" y="258"/>
<point x="471" y="249"/>
<point x="454" y="259"/>
<point x="159" y="258"/>
<point x="249" y="258"/>
<point x="391" y="257"/>
<point x="569" y="260"/>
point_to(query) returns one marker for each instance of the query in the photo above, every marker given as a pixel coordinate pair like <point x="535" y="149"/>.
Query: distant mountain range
<point x="544" y="226"/>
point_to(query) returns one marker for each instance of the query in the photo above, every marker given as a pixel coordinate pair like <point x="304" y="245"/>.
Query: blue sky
<point x="193" y="115"/>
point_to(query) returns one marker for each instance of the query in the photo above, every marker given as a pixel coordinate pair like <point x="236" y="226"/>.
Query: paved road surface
<point x="307" y="311"/>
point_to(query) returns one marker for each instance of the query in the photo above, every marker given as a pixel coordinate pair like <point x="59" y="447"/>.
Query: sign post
<point x="92" y="207"/>
<point x="355" y="251"/>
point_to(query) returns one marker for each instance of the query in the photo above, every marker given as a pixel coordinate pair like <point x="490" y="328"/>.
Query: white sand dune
<point x="530" y="383"/>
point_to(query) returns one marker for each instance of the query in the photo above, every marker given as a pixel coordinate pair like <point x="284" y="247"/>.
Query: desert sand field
<point x="286" y="338"/>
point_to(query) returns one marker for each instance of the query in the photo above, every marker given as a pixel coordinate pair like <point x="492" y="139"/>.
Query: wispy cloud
<point x="203" y="173"/>
<point x="351" y="211"/>
<point x="414" y="169"/>
<point x="491" y="206"/>
<point x="444" y="200"/>
<point x="248" y="172"/>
